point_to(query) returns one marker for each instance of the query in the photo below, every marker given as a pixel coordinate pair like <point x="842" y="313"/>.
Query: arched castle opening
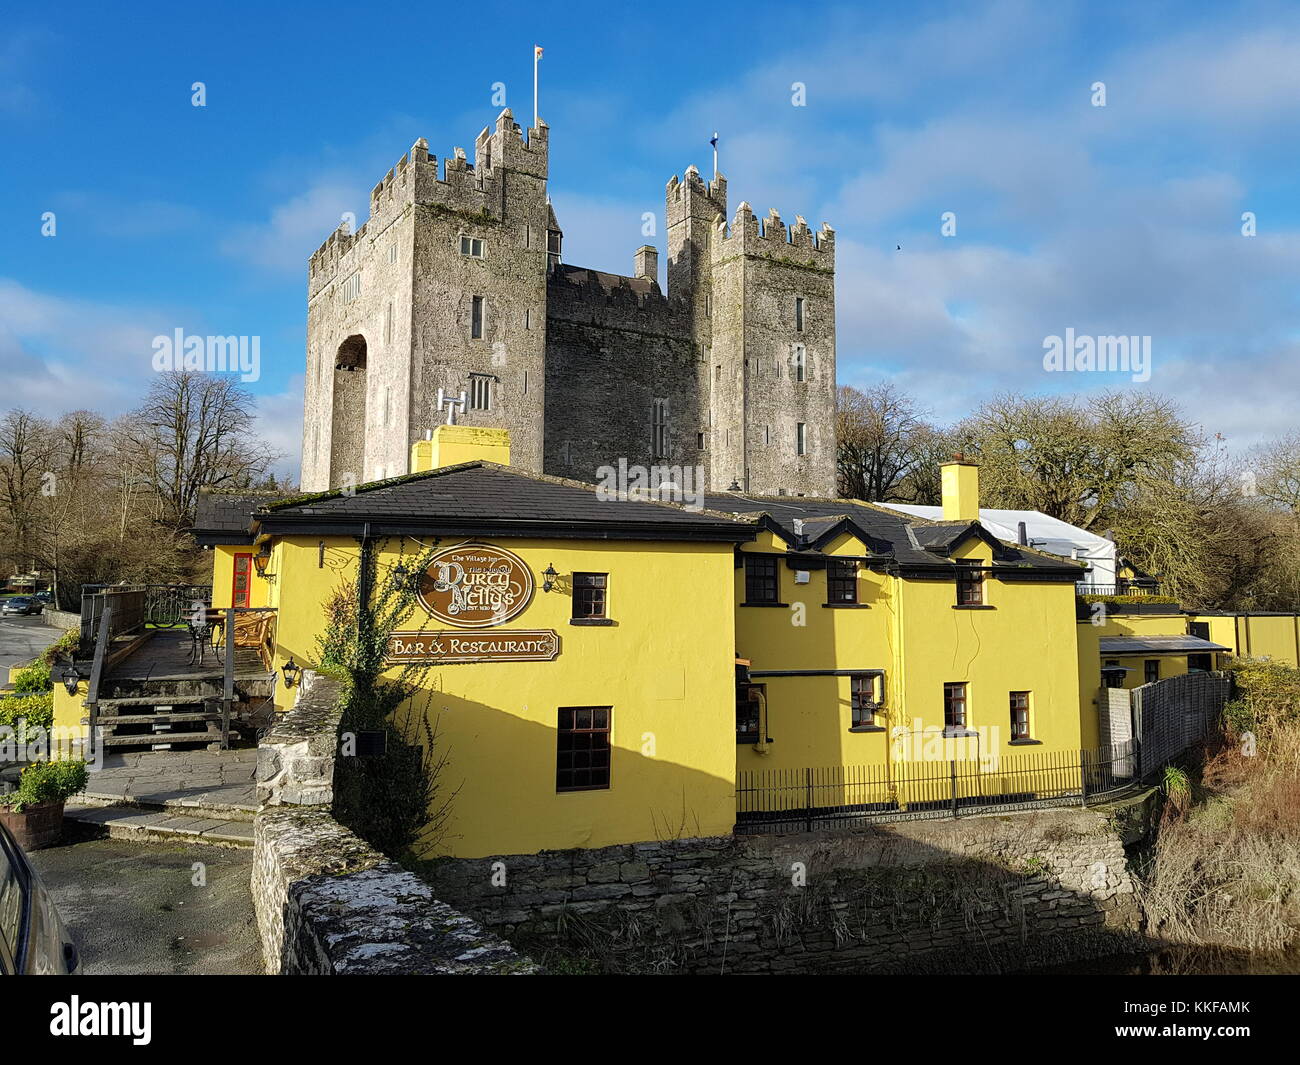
<point x="348" y="428"/>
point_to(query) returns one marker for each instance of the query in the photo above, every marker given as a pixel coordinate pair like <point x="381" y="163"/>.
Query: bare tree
<point x="26" y="457"/>
<point x="193" y="430"/>
<point x="883" y="441"/>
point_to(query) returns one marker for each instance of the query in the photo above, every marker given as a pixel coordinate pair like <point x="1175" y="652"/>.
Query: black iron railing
<point x="791" y="800"/>
<point x="1120" y="588"/>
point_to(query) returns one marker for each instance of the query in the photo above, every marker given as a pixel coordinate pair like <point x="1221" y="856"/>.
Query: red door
<point x="242" y="577"/>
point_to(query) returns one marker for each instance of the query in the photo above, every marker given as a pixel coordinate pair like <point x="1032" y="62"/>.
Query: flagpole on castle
<point x="537" y="55"/>
<point x="714" y="142"/>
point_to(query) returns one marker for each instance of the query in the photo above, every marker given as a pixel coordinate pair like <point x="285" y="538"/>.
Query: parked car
<point x="44" y="597"/>
<point x="33" y="940"/>
<point x="22" y="604"/>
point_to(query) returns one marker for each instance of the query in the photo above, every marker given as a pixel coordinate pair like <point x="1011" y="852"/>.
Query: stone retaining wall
<point x="979" y="894"/>
<point x="326" y="901"/>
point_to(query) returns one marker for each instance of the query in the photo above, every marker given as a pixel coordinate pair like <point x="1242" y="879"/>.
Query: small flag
<point x="537" y="51"/>
<point x="714" y="140"/>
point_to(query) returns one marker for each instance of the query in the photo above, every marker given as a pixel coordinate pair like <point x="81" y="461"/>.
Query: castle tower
<point x="772" y="392"/>
<point x="443" y="287"/>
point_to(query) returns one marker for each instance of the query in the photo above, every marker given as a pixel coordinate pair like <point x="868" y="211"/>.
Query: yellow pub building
<point x="610" y="669"/>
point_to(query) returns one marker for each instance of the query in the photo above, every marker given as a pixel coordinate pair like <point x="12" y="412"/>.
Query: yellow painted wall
<point x="912" y="630"/>
<point x="666" y="668"/>
<point x="1264" y="636"/>
<point x="223" y="570"/>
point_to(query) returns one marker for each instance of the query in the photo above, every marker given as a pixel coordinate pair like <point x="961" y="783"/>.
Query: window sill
<point x="866" y="728"/>
<point x="1025" y="743"/>
<point x="847" y="606"/>
<point x="593" y="622"/>
<point x="958" y="733"/>
<point x="766" y="604"/>
<point x="973" y="606"/>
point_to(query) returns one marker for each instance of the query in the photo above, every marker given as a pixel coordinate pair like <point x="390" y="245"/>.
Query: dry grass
<point x="1226" y="868"/>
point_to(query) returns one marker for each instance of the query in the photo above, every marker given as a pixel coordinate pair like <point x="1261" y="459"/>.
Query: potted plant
<point x="34" y="812"/>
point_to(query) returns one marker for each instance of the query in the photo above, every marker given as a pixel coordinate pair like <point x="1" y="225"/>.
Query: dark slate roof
<point x="910" y="542"/>
<point x="1158" y="645"/>
<point x="485" y="497"/>
<point x="225" y="517"/>
<point x="580" y="275"/>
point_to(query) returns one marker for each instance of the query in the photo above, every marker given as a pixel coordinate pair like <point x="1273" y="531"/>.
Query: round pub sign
<point x="475" y="585"/>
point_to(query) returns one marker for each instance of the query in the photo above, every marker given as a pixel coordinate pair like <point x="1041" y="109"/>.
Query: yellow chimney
<point x="961" y="489"/>
<point x="453" y="444"/>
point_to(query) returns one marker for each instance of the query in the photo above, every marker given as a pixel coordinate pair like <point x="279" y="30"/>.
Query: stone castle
<point x="457" y="282"/>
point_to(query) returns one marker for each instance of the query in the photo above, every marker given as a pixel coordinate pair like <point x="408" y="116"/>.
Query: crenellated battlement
<point x="771" y="237"/>
<point x="690" y="197"/>
<point x="473" y="188"/>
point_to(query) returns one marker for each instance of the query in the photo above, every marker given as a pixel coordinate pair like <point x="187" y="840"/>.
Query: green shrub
<point x="47" y="782"/>
<point x="36" y="708"/>
<point x="1162" y="599"/>
<point x="33" y="678"/>
<point x="64" y="646"/>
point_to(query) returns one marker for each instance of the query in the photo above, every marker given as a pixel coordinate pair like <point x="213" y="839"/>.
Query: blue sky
<point x="1123" y="219"/>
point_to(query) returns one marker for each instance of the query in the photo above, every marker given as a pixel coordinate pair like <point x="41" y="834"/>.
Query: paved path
<point x="211" y="779"/>
<point x="22" y="639"/>
<point x="134" y="907"/>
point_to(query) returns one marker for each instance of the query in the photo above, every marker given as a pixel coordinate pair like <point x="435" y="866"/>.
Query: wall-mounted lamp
<point x="71" y="678"/>
<point x="261" y="559"/>
<point x="290" y="669"/>
<point x="549" y="574"/>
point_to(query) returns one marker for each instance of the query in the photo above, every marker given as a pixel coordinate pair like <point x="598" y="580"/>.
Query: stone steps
<point x="229" y="828"/>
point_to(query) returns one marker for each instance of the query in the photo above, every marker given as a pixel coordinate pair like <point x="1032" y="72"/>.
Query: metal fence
<point x="1122" y="588"/>
<point x="787" y="800"/>
<point x="164" y="605"/>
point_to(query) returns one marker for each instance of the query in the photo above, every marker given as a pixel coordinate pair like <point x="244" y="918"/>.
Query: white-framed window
<point x="476" y="318"/>
<point x="392" y="252"/>
<point x="659" y="426"/>
<point x="471" y="246"/>
<point x="801" y="439"/>
<point x="480" y="391"/>
<point x="352" y="287"/>
<point x="800" y="363"/>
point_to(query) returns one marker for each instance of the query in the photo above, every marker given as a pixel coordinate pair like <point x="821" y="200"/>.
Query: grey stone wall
<point x="328" y="904"/>
<point x="295" y="760"/>
<point x="983" y="894"/>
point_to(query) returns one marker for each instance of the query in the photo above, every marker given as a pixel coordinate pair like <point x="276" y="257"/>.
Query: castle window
<point x="767" y="436"/>
<point x="866" y="697"/>
<point x="1019" y="716"/>
<point x="388" y="323"/>
<point x="480" y="392"/>
<point x="801" y="439"/>
<point x="528" y="318"/>
<point x="659" y="427"/>
<point x="699" y="441"/>
<point x="352" y="287"/>
<point x="761" y="585"/>
<point x="841" y="581"/>
<point x="582" y="748"/>
<point x="708" y="305"/>
<point x="392" y="252"/>
<point x="589" y="595"/>
<point x="476" y="318"/>
<point x="798" y="314"/>
<point x="800" y="363"/>
<point x="471" y="246"/>
<point x="954" y="705"/>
